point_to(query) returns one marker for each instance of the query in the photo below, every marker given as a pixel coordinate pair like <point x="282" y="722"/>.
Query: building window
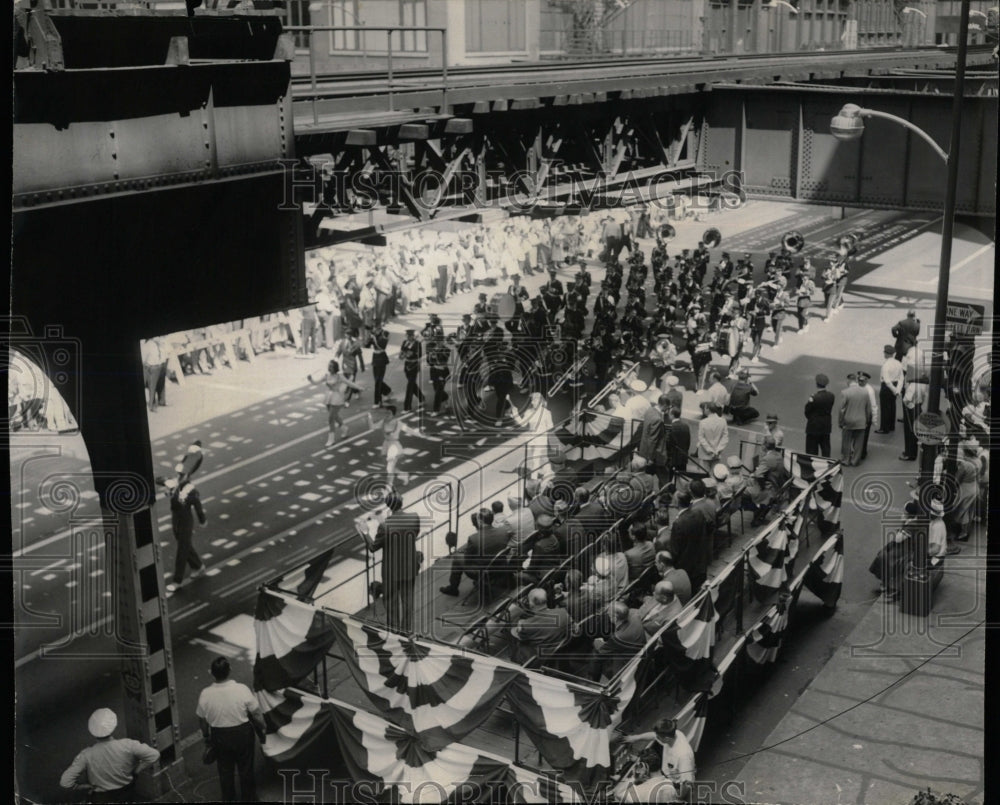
<point x="401" y="14"/>
<point x="298" y="14"/>
<point x="495" y="26"/>
<point x="413" y="14"/>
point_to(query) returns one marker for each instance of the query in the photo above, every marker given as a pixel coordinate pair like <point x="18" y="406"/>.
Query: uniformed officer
<point x="552" y="294"/>
<point x="440" y="372"/>
<point x="411" y="351"/>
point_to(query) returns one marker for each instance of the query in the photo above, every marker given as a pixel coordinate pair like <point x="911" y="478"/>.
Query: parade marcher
<point x="779" y="304"/>
<point x="352" y="360"/>
<point x="185" y="503"/>
<point x="855" y="415"/>
<point x="863" y="378"/>
<point x="230" y="716"/>
<point x="842" y="275"/>
<point x="380" y="362"/>
<point x="829" y="290"/>
<point x="410" y="352"/>
<point x="397" y="537"/>
<point x="337" y="387"/>
<point x="106" y="770"/>
<point x="803" y="296"/>
<point x="891" y="376"/>
<point x="392" y="428"/>
<point x="819" y="419"/>
<point x="367" y="307"/>
<point x="152" y="368"/>
<point x="440" y="372"/>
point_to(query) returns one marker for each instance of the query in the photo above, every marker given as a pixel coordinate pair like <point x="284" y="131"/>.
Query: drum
<point x="722" y="341"/>
<point x="505" y="305"/>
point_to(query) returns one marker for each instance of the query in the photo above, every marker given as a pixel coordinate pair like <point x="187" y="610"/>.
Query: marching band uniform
<point x="411" y="351"/>
<point x="380" y="362"/>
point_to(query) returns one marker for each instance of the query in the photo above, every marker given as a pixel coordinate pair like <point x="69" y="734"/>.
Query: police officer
<point x="411" y="351"/>
<point x="433" y="335"/>
<point x="552" y="294"/>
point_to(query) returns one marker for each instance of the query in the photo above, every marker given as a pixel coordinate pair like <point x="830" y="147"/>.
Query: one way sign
<point x="964" y="317"/>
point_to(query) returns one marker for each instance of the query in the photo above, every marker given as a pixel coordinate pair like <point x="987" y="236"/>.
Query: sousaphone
<point x="666" y="232"/>
<point x="712" y="237"/>
<point x="793" y="241"/>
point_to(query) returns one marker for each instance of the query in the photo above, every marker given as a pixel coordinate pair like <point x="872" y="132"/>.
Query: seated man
<point x="734" y="482"/>
<point x="521" y="524"/>
<point x="627" y="636"/>
<point x="766" y="481"/>
<point x="678" y="577"/>
<point x="619" y="564"/>
<point x="662" y="519"/>
<point x="475" y="556"/>
<point x="546" y="552"/>
<point x="642" y="554"/>
<point x="639" y="479"/>
<point x="601" y="586"/>
<point x="660" y="608"/>
<point x="540" y="629"/>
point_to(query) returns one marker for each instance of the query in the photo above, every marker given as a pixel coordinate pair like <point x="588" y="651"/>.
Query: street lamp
<point x="849" y="125"/>
<point x="776" y="3"/>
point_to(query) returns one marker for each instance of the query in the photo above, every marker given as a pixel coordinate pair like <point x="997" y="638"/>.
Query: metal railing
<point x="309" y="30"/>
<point x="562" y="43"/>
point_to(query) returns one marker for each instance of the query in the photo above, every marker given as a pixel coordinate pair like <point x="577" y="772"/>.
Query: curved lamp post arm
<point x="907" y="124"/>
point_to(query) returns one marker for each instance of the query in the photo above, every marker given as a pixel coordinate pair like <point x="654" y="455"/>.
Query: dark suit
<point x="475" y="556"/>
<point x="691" y="545"/>
<point x="623" y="644"/>
<point x="185" y="503"/>
<point x="906" y="332"/>
<point x="819" y="422"/>
<point x="655" y="442"/>
<point x="540" y="633"/>
<point x="398" y="539"/>
<point x="680" y="433"/>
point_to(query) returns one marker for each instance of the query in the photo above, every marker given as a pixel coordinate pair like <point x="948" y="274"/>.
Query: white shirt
<point x="892" y="374"/>
<point x="226" y="704"/>
<point x="874" y="400"/>
<point x="678" y="760"/>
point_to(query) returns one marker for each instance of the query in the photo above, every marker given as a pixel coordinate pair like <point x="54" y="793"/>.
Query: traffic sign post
<point x="965" y="318"/>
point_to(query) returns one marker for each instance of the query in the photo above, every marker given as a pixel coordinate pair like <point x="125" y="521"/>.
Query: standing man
<point x="906" y="332"/>
<point x="397" y="537"/>
<point x="229" y="716"/>
<point x="351" y="358"/>
<point x="655" y="441"/>
<point x="690" y="541"/>
<point x="380" y="362"/>
<point x="680" y="437"/>
<point x="892" y="386"/>
<point x="819" y="419"/>
<point x="913" y="404"/>
<point x="107" y="769"/>
<point x="863" y="378"/>
<point x="185" y="503"/>
<point x="411" y="351"/>
<point x="855" y="416"/>
<point x="771" y="430"/>
<point x="713" y="434"/>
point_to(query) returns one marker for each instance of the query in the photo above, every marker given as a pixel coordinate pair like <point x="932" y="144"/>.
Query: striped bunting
<point x="438" y="692"/>
<point x="692" y="717"/>
<point x="376" y="750"/>
<point x="688" y="642"/>
<point x="764" y="639"/>
<point x="769" y="557"/>
<point x="597" y="435"/>
<point x="825" y="575"/>
<point x="294" y="721"/>
<point x="292" y="639"/>
<point x="828" y="493"/>
<point x="570" y="725"/>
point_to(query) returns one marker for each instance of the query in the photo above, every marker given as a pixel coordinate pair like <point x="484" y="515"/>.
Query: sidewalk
<point x="897" y="709"/>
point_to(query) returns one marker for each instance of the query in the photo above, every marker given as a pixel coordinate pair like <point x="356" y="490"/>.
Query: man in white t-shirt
<point x="677" y="766"/>
<point x="229" y="716"/>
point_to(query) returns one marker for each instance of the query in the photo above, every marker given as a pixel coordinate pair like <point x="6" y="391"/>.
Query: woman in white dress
<point x="392" y="448"/>
<point x="335" y="399"/>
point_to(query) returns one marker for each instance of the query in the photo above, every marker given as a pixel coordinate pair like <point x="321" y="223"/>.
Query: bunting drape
<point x="292" y="639"/>
<point x="435" y="691"/>
<point x="593" y="436"/>
<point x="825" y="575"/>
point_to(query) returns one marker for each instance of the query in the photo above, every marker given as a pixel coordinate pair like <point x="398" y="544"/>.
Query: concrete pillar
<point x="697" y="26"/>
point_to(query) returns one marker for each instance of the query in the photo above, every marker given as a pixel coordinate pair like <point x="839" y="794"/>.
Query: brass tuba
<point x="793" y="241"/>
<point x="711" y="238"/>
<point x="667" y="232"/>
